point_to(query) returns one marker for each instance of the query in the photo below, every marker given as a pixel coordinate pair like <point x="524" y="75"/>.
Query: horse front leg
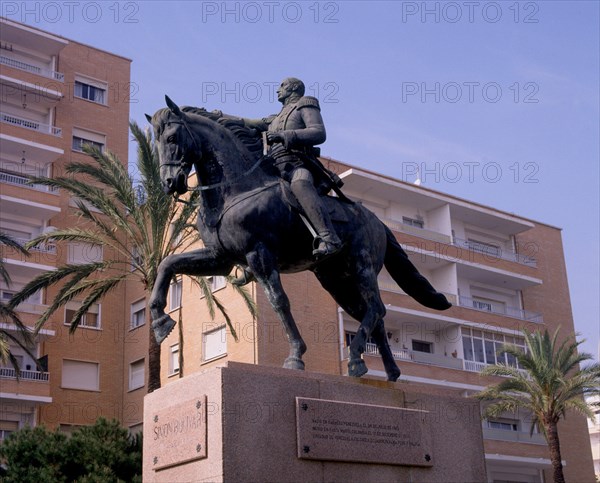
<point x="201" y="262"/>
<point x="263" y="266"/>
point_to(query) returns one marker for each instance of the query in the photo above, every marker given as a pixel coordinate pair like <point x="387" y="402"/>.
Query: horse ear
<point x="149" y="117"/>
<point x="174" y="107"/>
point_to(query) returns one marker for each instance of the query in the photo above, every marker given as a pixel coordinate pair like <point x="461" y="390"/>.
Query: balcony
<point x="418" y="357"/>
<point x="34" y="69"/>
<point x="495" y="252"/>
<point x="413" y="230"/>
<point x="11" y="373"/>
<point x="42" y="248"/>
<point x="514" y="436"/>
<point x="513" y="312"/>
<point x="29" y="124"/>
<point x="474" y="366"/>
<point x="23" y="181"/>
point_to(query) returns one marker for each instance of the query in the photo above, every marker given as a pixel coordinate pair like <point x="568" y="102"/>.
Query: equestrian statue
<point x="268" y="205"/>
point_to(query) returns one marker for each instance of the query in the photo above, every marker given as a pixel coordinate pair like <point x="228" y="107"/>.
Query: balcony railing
<point x="516" y="436"/>
<point x="42" y="248"/>
<point x="513" y="312"/>
<point x="34" y="69"/>
<point x="15" y="179"/>
<point x="494" y="251"/>
<point x="418" y="357"/>
<point x="11" y="373"/>
<point x="474" y="366"/>
<point x="29" y="124"/>
<point x="413" y="230"/>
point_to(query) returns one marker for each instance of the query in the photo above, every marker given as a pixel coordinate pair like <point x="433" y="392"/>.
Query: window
<point x="90" y="90"/>
<point x="413" y="222"/>
<point x="7" y="427"/>
<point x="420" y="346"/>
<point x="80" y="375"/>
<point x="217" y="283"/>
<point x="6" y="295"/>
<point x="82" y="253"/>
<point x="503" y="424"/>
<point x="481" y="305"/>
<point x="485" y="347"/>
<point x="484" y="247"/>
<point x="90" y="320"/>
<point x="349" y="336"/>
<point x="79" y="142"/>
<point x="138" y="314"/>
<point x="137" y="374"/>
<point x="69" y="428"/>
<point x="81" y="137"/>
<point x="175" y="294"/>
<point x="174" y="359"/>
<point x="214" y="344"/>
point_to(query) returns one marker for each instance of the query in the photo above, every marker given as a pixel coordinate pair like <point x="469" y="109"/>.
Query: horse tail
<point x="406" y="275"/>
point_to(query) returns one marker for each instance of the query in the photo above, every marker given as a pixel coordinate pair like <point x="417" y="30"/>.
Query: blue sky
<point x="495" y="102"/>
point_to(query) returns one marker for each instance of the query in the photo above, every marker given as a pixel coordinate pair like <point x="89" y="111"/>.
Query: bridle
<point x="180" y="164"/>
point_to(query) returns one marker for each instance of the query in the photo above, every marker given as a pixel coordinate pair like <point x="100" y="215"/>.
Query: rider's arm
<point x="314" y="132"/>
<point x="258" y="124"/>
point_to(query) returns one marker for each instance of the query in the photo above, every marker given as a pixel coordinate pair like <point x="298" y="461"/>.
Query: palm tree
<point x="8" y="315"/>
<point x="548" y="384"/>
<point x="136" y="222"/>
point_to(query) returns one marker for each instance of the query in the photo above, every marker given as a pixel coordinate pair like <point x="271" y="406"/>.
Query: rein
<point x="214" y="185"/>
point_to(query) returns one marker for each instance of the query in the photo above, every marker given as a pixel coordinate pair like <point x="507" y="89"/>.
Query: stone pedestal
<point x="251" y="423"/>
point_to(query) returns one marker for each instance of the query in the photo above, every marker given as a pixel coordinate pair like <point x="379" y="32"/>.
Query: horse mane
<point x="247" y="136"/>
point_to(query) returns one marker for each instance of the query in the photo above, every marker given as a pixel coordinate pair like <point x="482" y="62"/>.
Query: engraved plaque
<point x="178" y="433"/>
<point x="340" y="431"/>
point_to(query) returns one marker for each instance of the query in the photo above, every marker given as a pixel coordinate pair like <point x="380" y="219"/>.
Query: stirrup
<point x="325" y="246"/>
<point x="244" y="279"/>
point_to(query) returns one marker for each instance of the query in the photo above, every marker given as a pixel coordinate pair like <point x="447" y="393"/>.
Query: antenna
<point x="418" y="180"/>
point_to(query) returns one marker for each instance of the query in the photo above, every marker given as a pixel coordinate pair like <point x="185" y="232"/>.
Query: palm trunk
<point x="555" y="457"/>
<point x="153" y="361"/>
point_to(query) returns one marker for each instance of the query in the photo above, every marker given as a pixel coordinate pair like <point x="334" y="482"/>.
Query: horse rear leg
<point x="262" y="264"/>
<point x="391" y="368"/>
<point x="360" y="300"/>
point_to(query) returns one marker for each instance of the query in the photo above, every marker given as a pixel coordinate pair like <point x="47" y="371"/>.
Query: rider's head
<point x="290" y="87"/>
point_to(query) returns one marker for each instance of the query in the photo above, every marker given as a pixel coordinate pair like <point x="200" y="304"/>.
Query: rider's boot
<point x="327" y="242"/>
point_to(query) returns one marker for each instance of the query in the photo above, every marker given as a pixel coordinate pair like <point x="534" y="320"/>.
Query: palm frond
<point x="97" y="290"/>
<point x="52" y="277"/>
<point x="246" y="297"/>
<point x="10" y="242"/>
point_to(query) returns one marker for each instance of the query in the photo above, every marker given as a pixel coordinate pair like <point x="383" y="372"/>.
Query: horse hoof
<point x="393" y="375"/>
<point x="162" y="327"/>
<point x="357" y="368"/>
<point x="294" y="363"/>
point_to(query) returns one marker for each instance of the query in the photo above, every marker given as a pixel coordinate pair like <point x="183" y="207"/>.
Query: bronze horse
<point x="246" y="217"/>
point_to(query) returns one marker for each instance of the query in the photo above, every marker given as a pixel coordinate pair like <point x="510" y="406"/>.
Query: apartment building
<point x="56" y="95"/>
<point x="501" y="271"/>
<point x="594" y="430"/>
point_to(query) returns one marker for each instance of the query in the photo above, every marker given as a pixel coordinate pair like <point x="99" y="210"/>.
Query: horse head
<point x="178" y="149"/>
